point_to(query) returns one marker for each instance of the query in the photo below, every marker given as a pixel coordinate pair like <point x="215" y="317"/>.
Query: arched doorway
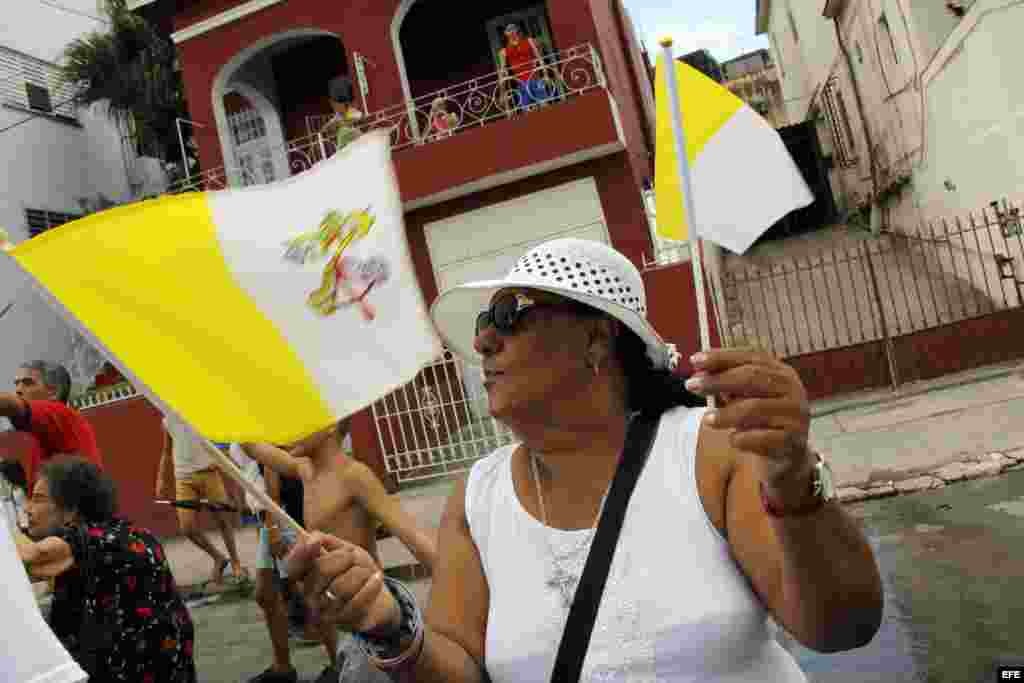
<point x="270" y="97"/>
<point x="456" y="57"/>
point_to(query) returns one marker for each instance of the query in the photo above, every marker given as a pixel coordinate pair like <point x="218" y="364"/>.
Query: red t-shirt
<point x="521" y="59"/>
<point x="59" y="430"/>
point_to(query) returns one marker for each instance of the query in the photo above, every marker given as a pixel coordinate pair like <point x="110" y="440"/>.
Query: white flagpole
<point x="679" y="136"/>
<point x="228" y="467"/>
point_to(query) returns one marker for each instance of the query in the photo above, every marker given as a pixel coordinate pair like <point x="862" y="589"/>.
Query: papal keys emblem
<point x="346" y="280"/>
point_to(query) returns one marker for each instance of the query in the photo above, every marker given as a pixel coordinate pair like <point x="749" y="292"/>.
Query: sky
<point x="725" y="28"/>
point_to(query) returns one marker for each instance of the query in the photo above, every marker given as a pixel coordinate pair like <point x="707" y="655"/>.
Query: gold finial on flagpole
<point x="665" y="41"/>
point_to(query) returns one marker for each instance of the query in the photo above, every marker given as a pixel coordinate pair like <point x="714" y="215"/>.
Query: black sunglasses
<point x="507" y="310"/>
<point x="504" y="313"/>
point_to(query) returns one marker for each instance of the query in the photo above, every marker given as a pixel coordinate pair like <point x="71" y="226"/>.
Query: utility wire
<point x="37" y="115"/>
<point x="69" y="10"/>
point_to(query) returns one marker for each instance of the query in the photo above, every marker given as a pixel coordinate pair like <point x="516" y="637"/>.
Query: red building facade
<point x="477" y="195"/>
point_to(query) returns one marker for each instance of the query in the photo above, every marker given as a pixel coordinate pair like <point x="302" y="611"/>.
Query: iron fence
<point x="437" y="424"/>
<point x="861" y="288"/>
<point x="95" y="398"/>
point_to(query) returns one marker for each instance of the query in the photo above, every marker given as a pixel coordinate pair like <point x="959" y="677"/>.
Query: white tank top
<point x="676" y="606"/>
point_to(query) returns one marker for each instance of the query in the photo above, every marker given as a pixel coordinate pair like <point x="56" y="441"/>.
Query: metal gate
<point x="920" y="296"/>
<point x="436" y="425"/>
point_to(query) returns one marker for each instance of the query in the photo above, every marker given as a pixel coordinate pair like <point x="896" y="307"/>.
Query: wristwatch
<point x="823" y="490"/>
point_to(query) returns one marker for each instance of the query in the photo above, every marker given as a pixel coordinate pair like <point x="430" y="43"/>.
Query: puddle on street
<point x="952" y="562"/>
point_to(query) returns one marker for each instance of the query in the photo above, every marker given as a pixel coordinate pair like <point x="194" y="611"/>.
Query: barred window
<point x="839" y="123"/>
<point x="246" y="125"/>
<point x="41" y="220"/>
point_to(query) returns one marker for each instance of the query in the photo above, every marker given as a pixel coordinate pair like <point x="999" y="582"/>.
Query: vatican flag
<point x="259" y="314"/>
<point x="743" y="178"/>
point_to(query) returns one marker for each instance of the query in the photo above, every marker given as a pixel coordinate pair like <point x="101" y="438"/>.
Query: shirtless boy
<point x="343" y="497"/>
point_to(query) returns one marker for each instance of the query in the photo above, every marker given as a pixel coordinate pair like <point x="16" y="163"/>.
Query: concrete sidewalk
<point x="943" y="429"/>
<point x="879" y="443"/>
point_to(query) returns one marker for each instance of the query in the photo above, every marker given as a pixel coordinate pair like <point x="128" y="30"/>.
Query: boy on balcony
<point x="344" y="124"/>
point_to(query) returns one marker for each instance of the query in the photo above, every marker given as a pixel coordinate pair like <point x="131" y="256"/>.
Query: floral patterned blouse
<point x="131" y="605"/>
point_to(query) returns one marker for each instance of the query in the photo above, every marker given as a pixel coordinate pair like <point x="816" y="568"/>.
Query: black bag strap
<point x="583" y="613"/>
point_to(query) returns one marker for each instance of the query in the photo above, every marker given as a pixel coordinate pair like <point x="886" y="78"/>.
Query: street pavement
<point x="950" y="556"/>
<point x="952" y="562"/>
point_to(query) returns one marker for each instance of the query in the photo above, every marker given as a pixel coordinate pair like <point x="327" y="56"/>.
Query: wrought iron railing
<point x="301" y="154"/>
<point x="438" y="115"/>
<point x="498" y="95"/>
<point x="438" y="424"/>
<point x="862" y="289"/>
<point x="104" y="395"/>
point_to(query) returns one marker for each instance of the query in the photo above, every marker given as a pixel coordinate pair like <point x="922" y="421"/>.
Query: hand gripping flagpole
<point x="679" y="138"/>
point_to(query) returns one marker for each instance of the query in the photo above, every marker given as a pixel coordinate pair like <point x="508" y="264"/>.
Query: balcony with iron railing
<point x="470" y="132"/>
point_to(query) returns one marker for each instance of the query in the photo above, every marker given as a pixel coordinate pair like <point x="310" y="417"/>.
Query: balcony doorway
<point x="254" y="153"/>
<point x="467" y="45"/>
<point x="264" y="98"/>
<point x="532" y="21"/>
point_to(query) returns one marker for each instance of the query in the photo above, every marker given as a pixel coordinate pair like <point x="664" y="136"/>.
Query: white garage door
<point x="486" y="243"/>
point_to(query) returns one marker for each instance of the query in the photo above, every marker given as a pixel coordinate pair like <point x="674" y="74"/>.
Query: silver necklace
<point x="563" y="579"/>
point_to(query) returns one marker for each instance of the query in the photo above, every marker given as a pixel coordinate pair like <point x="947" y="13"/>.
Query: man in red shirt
<point x="39" y="406"/>
<point x="522" y="56"/>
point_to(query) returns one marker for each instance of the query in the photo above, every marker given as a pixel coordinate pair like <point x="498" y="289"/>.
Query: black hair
<point x="53" y="375"/>
<point x="13" y="472"/>
<point x="650" y="391"/>
<point x="77" y="485"/>
<point x="340" y="89"/>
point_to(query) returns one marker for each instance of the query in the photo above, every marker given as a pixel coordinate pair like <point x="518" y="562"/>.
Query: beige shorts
<point x="203" y="485"/>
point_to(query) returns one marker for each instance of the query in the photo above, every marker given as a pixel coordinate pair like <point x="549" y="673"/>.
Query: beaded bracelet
<point x="386" y="653"/>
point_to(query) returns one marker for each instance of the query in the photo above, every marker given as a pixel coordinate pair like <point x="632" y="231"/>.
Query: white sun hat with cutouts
<point x="583" y="270"/>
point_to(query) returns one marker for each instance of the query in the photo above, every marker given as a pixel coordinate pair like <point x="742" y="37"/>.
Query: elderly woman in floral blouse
<point x="116" y="607"/>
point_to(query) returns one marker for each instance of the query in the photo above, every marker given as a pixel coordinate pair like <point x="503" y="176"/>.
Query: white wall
<point x="43" y="29"/>
<point x="934" y="25"/>
<point x="975" y="119"/>
<point x="803" y="63"/>
<point x="958" y="123"/>
<point x="47" y="164"/>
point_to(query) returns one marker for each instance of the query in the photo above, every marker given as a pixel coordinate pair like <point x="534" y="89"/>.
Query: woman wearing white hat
<point x="732" y="517"/>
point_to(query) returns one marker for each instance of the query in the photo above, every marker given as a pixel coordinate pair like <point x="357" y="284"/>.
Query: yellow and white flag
<point x="743" y="178"/>
<point x="256" y="314"/>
